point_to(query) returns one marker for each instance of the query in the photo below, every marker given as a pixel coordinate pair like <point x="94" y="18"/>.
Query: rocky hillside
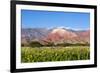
<point x="55" y="35"/>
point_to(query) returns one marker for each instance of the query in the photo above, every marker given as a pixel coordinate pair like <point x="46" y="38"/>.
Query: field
<point x="44" y="54"/>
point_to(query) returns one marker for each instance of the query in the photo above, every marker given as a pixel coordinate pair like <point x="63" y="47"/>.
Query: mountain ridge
<point x="55" y="35"/>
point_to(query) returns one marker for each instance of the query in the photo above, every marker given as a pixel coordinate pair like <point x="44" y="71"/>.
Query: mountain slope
<point x="56" y="35"/>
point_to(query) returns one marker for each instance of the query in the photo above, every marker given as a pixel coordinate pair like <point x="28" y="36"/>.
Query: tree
<point x="35" y="44"/>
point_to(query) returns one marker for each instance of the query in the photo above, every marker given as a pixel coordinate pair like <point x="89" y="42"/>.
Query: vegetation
<point x="35" y="44"/>
<point x="50" y="44"/>
<point x="44" y="54"/>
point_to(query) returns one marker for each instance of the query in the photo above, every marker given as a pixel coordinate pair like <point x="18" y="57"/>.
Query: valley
<point x="56" y="44"/>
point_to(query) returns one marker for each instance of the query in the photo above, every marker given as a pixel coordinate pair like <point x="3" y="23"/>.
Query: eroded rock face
<point x="56" y="35"/>
<point x="61" y="35"/>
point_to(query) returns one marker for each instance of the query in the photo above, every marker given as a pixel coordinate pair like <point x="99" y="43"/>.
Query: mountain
<point x="55" y="35"/>
<point x="33" y="34"/>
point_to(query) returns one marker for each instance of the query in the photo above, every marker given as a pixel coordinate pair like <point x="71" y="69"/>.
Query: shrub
<point x="35" y="44"/>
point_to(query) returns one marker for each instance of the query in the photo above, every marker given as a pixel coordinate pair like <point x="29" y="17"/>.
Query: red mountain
<point x="61" y="35"/>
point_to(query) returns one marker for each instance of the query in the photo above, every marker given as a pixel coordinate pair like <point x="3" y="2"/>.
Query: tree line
<point x="50" y="44"/>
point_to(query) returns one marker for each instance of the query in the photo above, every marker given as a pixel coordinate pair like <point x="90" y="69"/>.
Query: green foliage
<point x="25" y="43"/>
<point x="44" y="54"/>
<point x="50" y="44"/>
<point x="35" y="44"/>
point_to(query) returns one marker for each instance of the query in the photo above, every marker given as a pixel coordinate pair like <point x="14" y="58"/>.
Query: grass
<point x="45" y="54"/>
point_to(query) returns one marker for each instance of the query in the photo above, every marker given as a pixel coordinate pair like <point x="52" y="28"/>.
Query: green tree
<point x="35" y="44"/>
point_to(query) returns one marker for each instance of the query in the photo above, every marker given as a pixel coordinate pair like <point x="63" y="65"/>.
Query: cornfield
<point x="45" y="54"/>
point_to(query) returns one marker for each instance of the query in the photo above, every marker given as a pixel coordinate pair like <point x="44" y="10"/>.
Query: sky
<point x="53" y="19"/>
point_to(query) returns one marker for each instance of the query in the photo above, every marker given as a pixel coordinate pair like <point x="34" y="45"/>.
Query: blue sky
<point x="52" y="19"/>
